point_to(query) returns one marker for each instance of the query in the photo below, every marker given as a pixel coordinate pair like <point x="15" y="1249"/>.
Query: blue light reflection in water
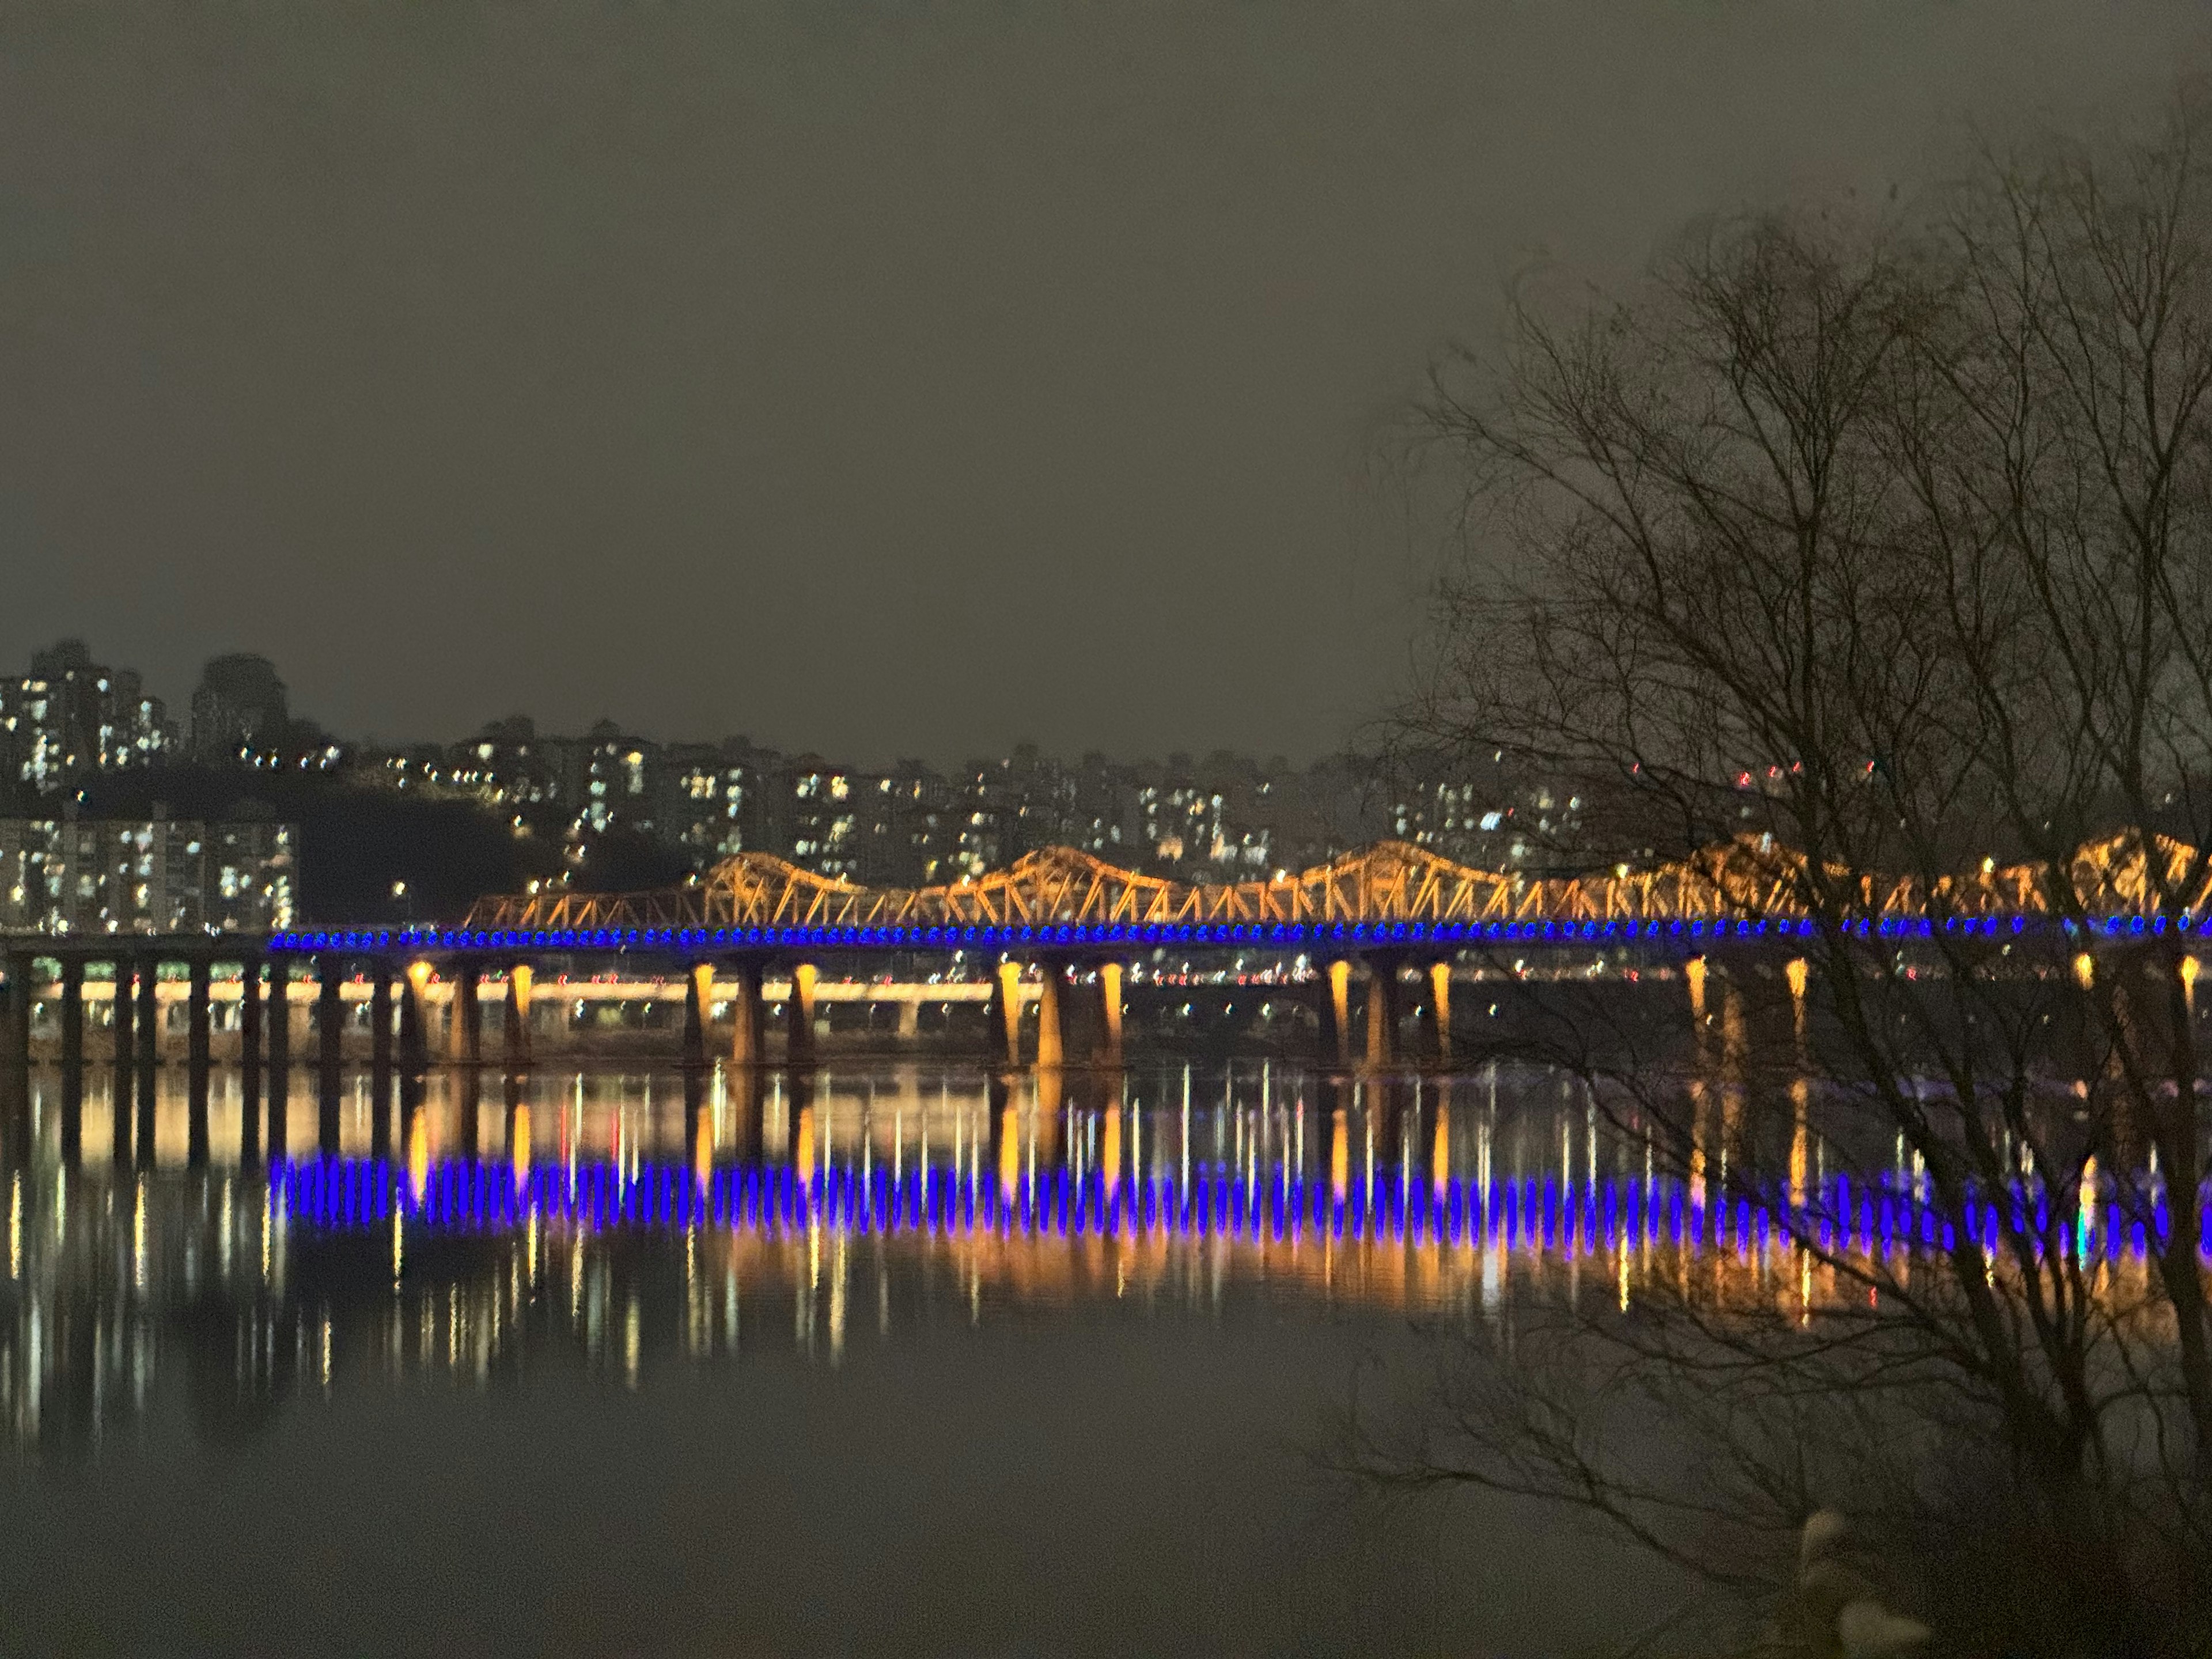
<point x="1393" y="1204"/>
<point x="843" y="1297"/>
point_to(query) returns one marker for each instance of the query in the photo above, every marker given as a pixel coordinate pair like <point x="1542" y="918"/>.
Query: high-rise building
<point x="705" y="797"/>
<point x="238" y="711"/>
<point x="71" y="717"/>
<point x="160" y="875"/>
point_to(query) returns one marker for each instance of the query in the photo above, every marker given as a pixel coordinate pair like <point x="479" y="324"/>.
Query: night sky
<point x="882" y="378"/>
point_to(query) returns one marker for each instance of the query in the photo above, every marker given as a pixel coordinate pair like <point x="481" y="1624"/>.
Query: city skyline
<point x="80" y="736"/>
<point x="891" y="381"/>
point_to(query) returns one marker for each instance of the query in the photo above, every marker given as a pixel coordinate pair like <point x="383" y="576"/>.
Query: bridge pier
<point x="15" y="1040"/>
<point x="1384" y="1003"/>
<point x="72" y="1001"/>
<point x="1335" y="1012"/>
<point x="1079" y="1025"/>
<point x="698" y="993"/>
<point x="250" y="1023"/>
<point x="1109" y="1010"/>
<point x="1052" y="980"/>
<point x="149" y="1052"/>
<point x="748" y="1039"/>
<point x="1006" y="1014"/>
<point x="249" y="1052"/>
<point x="196" y="1063"/>
<point x="517" y="1034"/>
<point x="379" y="1024"/>
<point x="123" y="1024"/>
<point x="279" y="1053"/>
<point x="463" y="1030"/>
<point x="330" y="1016"/>
<point x="798" y="1015"/>
<point x="119" y="1092"/>
<point x="1440" y="1009"/>
<point x="280" y="1021"/>
<point x="414" y="1018"/>
<point x="72" y="1009"/>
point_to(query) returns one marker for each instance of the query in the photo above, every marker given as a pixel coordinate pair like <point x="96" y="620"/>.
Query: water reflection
<point x="468" y="1227"/>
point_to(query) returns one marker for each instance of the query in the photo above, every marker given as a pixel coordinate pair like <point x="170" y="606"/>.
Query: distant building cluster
<point x="70" y="719"/>
<point x="71" y="875"/>
<point x="1224" y="817"/>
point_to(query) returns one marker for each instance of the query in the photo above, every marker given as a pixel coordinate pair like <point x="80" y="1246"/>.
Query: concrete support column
<point x="746" y="1037"/>
<point x="120" y="1093"/>
<point x="517" y="1034"/>
<point x="1440" y="1007"/>
<point x="1109" y="1008"/>
<point x="1382" y="1006"/>
<point x="414" y="1018"/>
<point x="15" y="1038"/>
<point x="126" y="1049"/>
<point x="698" y="1003"/>
<point x="330" y="1023"/>
<point x="127" y="1054"/>
<point x="249" y="1023"/>
<point x="1006" y="1014"/>
<point x="1051" y="1052"/>
<point x="280" y="1053"/>
<point x="280" y="1016"/>
<point x="380" y="1023"/>
<point x="463" y="1029"/>
<point x="196" y="1063"/>
<point x="1336" y="1013"/>
<point x="249" y="1050"/>
<point x="149" y="1047"/>
<point x="909" y="1018"/>
<point x="72" y="1000"/>
<point x="72" y="1114"/>
<point x="798" y="1015"/>
<point x="198" y="1043"/>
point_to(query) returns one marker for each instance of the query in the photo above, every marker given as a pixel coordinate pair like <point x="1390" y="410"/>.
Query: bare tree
<point x="1870" y="565"/>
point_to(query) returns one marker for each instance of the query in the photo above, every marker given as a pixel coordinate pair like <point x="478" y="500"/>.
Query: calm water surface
<point x="908" y="1360"/>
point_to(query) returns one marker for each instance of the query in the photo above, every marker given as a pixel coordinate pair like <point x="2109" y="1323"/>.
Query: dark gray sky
<point x="885" y="376"/>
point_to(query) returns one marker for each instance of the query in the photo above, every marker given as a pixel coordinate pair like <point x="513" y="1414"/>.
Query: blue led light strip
<point x="1248" y="935"/>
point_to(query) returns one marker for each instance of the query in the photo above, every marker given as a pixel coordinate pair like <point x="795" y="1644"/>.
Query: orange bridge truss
<point x="1389" y="891"/>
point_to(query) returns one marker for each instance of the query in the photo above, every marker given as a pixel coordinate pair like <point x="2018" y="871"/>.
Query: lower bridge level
<point x="78" y="1006"/>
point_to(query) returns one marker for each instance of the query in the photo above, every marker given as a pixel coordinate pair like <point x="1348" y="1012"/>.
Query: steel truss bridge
<point x="1391" y="894"/>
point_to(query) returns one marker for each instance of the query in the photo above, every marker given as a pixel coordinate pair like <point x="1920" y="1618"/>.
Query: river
<point x="896" y="1358"/>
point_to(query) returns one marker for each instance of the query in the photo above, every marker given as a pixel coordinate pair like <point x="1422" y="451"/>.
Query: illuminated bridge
<point x="1068" y="930"/>
<point x="1384" y="908"/>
